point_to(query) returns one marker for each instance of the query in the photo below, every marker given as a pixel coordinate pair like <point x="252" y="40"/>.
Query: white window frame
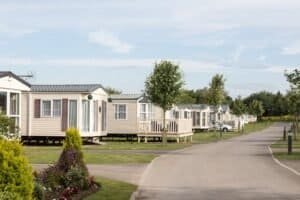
<point x="42" y="108"/>
<point x="145" y="113"/>
<point x="116" y="113"/>
<point x="53" y="115"/>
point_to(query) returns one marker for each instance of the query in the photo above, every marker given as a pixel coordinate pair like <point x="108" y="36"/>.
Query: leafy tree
<point x="163" y="87"/>
<point x="294" y="97"/>
<point x="186" y="97"/>
<point x="274" y="104"/>
<point x="202" y="96"/>
<point x="216" y="91"/>
<point x="111" y="91"/>
<point x="256" y="108"/>
<point x="238" y="108"/>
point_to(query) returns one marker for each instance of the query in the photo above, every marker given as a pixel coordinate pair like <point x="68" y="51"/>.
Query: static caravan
<point x="11" y="88"/>
<point x="134" y="114"/>
<point x="200" y="115"/>
<point x="49" y="110"/>
<point x="127" y="111"/>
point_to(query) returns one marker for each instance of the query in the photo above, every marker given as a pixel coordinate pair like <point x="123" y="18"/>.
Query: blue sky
<point x="116" y="43"/>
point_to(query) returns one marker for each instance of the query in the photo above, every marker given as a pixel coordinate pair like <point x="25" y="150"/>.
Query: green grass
<point x="283" y="144"/>
<point x="285" y="156"/>
<point x="258" y="126"/>
<point x="112" y="190"/>
<point x="48" y="154"/>
<point x="207" y="137"/>
<point x="124" y="145"/>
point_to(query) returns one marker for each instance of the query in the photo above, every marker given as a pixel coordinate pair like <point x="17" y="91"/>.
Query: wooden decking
<point x="179" y="129"/>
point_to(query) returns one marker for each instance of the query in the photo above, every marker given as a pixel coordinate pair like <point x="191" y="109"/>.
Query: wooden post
<point x="146" y="139"/>
<point x="139" y="139"/>
<point x="177" y="139"/>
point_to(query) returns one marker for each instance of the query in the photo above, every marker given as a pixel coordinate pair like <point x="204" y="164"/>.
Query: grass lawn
<point x="125" y="145"/>
<point x="285" y="156"/>
<point x="48" y="154"/>
<point x="112" y="190"/>
<point x="283" y="144"/>
<point x="207" y="137"/>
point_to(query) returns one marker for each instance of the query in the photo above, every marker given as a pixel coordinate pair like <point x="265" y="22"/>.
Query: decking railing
<point x="173" y="126"/>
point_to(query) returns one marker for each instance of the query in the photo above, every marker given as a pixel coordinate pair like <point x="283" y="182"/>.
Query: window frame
<point x="42" y="108"/>
<point x="53" y="115"/>
<point x="117" y="111"/>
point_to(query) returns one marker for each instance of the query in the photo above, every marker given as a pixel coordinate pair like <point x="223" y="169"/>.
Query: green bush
<point x="15" y="172"/>
<point x="77" y="178"/>
<point x="72" y="139"/>
<point x="38" y="192"/>
<point x="5" y="195"/>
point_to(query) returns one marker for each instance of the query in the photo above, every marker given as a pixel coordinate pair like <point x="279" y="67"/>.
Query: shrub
<point x="38" y="192"/>
<point x="5" y="195"/>
<point x="76" y="178"/>
<point x="72" y="139"/>
<point x="15" y="172"/>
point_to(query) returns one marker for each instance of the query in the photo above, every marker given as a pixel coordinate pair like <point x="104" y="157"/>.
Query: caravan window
<point x="120" y="111"/>
<point x="203" y="119"/>
<point x="3" y="102"/>
<point x="56" y="108"/>
<point x="46" y="108"/>
<point x="14" y="103"/>
<point x="85" y="115"/>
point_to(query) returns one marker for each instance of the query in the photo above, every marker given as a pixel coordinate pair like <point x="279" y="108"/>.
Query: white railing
<point x="173" y="126"/>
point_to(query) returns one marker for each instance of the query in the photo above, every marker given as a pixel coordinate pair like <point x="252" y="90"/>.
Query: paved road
<point x="239" y="168"/>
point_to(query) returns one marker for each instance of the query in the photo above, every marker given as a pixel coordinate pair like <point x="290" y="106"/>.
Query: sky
<point x="116" y="43"/>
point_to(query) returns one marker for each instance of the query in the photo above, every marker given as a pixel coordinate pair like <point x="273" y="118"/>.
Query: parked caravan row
<point x="46" y="111"/>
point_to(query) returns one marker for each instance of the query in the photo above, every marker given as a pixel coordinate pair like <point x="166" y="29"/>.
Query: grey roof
<point x="126" y="96"/>
<point x="8" y="73"/>
<point x="84" y="88"/>
<point x="192" y="106"/>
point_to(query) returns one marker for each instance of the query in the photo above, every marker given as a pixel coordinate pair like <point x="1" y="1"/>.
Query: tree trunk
<point x="296" y="127"/>
<point x="164" y="136"/>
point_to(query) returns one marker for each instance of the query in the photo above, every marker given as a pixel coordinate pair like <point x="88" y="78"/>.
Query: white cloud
<point x="292" y="49"/>
<point x="109" y="40"/>
<point x="186" y="64"/>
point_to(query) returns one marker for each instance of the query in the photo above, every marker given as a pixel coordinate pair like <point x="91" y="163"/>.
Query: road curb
<point x="282" y="164"/>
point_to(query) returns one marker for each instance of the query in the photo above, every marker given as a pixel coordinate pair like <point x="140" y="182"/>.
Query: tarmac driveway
<point x="239" y="168"/>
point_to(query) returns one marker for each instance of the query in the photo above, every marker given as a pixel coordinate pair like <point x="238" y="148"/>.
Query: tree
<point x="201" y="96"/>
<point x="273" y="104"/>
<point x="163" y="88"/>
<point x="294" y="97"/>
<point x="256" y="108"/>
<point x="238" y="108"/>
<point x="216" y="91"/>
<point x="186" y="97"/>
<point x="111" y="91"/>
